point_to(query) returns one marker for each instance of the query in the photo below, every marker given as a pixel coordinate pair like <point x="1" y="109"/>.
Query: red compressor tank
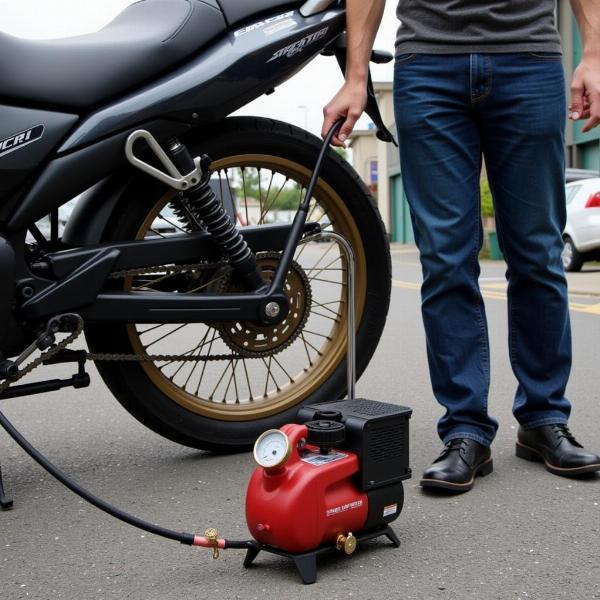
<point x="302" y="496"/>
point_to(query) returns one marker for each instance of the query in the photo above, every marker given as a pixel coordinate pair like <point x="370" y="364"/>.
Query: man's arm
<point x="585" y="87"/>
<point x="362" y="21"/>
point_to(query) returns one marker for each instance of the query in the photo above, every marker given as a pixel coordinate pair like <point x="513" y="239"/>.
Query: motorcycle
<point x="204" y="328"/>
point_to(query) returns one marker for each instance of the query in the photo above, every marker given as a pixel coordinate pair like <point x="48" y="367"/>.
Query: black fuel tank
<point x="27" y="137"/>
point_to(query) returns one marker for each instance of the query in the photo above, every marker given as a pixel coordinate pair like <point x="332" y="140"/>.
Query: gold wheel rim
<point x="332" y="352"/>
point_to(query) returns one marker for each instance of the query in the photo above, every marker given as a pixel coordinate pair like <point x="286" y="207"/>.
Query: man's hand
<point x="349" y="103"/>
<point x="362" y="21"/>
<point x="585" y="92"/>
<point x="585" y="88"/>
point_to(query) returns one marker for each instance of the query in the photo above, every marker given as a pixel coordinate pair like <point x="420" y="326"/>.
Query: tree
<point x="487" y="203"/>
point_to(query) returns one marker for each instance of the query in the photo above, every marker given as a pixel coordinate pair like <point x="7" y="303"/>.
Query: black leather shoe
<point x="555" y="446"/>
<point x="457" y="466"/>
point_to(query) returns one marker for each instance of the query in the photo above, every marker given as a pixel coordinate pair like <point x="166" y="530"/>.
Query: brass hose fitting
<point x="212" y="535"/>
<point x="347" y="543"/>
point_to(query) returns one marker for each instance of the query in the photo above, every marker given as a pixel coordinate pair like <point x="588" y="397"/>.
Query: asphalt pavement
<point x="520" y="534"/>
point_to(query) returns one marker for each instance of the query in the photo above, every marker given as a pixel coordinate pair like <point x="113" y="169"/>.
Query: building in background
<point x="370" y="156"/>
<point x="379" y="164"/>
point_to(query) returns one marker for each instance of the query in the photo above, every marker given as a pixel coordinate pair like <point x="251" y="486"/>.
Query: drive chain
<point x="161" y="357"/>
<point x="56" y="348"/>
<point x="167" y="270"/>
<point x="44" y="356"/>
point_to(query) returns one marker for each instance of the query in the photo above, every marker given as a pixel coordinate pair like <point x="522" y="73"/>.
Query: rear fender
<point x="94" y="208"/>
<point x="89" y="219"/>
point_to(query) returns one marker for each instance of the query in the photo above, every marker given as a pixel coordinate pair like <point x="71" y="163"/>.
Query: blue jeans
<point x="451" y="109"/>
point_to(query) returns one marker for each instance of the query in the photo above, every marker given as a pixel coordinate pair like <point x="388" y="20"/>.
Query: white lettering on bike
<point x="21" y="139"/>
<point x="296" y="47"/>
<point x="260" y="24"/>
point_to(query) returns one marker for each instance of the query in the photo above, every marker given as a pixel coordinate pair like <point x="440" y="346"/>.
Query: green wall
<point x="402" y="230"/>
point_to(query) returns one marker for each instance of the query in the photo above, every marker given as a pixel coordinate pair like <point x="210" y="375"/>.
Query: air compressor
<point x="323" y="484"/>
<point x="330" y="482"/>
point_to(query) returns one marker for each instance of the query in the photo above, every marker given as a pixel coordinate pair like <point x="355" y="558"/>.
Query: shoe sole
<point x="533" y="455"/>
<point x="482" y="470"/>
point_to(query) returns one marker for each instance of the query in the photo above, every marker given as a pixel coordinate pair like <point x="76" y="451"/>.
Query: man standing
<point x="473" y="79"/>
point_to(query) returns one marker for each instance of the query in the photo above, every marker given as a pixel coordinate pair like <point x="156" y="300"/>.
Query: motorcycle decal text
<point x="259" y="24"/>
<point x="298" y="46"/>
<point x="279" y="26"/>
<point x="21" y="139"/>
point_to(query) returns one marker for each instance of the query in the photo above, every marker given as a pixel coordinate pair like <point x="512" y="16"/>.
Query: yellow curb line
<point x="591" y="309"/>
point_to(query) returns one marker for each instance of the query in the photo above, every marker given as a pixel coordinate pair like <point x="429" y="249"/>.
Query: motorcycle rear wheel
<point x="174" y="400"/>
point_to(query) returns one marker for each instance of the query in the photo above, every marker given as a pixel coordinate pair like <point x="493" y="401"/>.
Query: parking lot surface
<point x="520" y="534"/>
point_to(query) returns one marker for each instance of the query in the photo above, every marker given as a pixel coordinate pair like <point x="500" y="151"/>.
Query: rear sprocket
<point x="253" y="340"/>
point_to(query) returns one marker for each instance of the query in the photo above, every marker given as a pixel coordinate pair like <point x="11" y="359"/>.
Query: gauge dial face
<point x="272" y="449"/>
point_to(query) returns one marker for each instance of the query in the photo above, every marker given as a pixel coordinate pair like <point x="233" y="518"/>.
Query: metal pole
<point x="350" y="296"/>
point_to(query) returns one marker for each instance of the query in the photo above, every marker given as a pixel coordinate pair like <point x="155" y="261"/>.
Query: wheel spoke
<point x="335" y="319"/>
<point x="230" y="189"/>
<point x="212" y="394"/>
<point x="152" y="328"/>
<point x="325" y="268"/>
<point x="199" y="348"/>
<point x="215" y="333"/>
<point x="231" y="377"/>
<point x="342" y="283"/>
<point x="317" y="334"/>
<point x="269" y="375"/>
<point x="268" y="208"/>
<point x="251" y="395"/>
<point x="260" y="208"/>
<point x="283" y="369"/>
<point x="307" y="343"/>
<point x="172" y="223"/>
<point x="245" y="199"/>
<point x="166" y="335"/>
<point x="166" y="363"/>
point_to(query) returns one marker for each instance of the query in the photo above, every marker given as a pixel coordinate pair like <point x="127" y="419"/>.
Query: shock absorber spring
<point x="205" y="208"/>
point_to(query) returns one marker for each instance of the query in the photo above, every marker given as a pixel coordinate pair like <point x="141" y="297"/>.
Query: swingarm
<point x="83" y="273"/>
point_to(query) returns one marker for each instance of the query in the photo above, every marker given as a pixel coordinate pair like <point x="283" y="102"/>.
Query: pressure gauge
<point x="272" y="449"/>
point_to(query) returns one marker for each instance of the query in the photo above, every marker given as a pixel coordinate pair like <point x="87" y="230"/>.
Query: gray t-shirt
<point x="454" y="26"/>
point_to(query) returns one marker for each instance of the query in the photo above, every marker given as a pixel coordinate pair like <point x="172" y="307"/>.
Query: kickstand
<point x="5" y="502"/>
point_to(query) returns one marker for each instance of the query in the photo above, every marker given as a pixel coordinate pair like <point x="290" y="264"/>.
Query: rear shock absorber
<point x="191" y="178"/>
<point x="202" y="204"/>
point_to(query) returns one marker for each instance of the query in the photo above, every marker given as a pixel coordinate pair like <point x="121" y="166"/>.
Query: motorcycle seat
<point x="79" y="73"/>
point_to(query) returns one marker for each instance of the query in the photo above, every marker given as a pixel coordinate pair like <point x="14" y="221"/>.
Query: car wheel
<point x="571" y="258"/>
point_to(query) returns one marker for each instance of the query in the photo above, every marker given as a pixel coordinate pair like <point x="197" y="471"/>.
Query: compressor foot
<point x="306" y="562"/>
<point x="390" y="534"/>
<point x="5" y="502"/>
<point x="251" y="554"/>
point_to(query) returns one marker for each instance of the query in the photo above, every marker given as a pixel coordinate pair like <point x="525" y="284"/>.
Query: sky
<point x="299" y="101"/>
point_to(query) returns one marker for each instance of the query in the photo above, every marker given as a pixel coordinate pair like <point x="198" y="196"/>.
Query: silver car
<point x="582" y="232"/>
